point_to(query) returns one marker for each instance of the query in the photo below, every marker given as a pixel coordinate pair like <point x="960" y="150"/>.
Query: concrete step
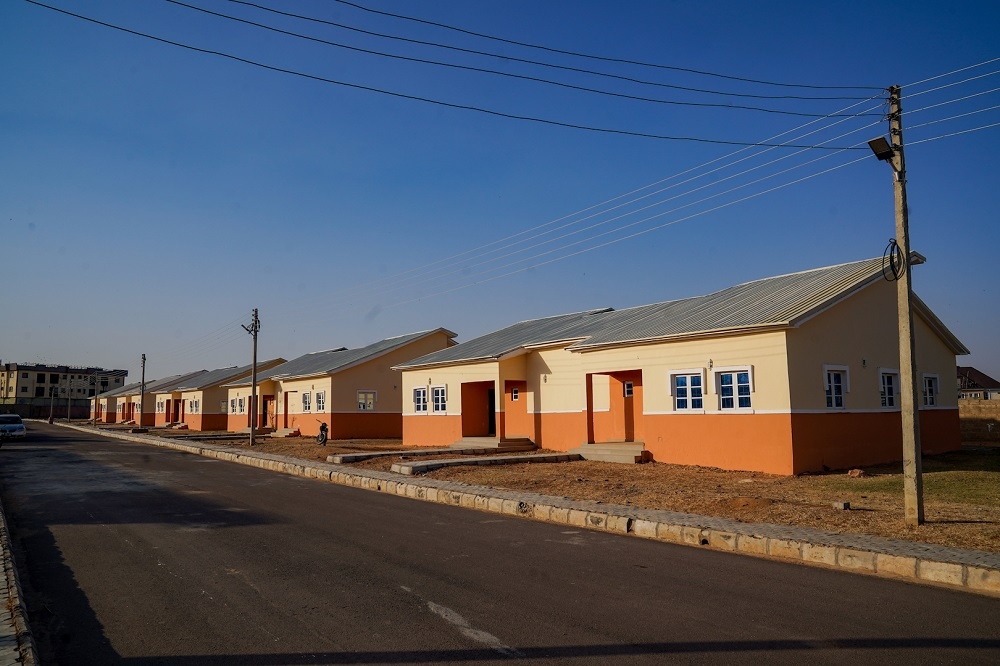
<point x="285" y="432"/>
<point x="420" y="466"/>
<point x="619" y="452"/>
<point x="506" y="444"/>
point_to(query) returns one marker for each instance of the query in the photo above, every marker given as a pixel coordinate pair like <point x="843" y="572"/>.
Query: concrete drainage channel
<point x="970" y="570"/>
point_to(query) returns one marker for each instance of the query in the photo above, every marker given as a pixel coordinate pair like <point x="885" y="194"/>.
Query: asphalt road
<point x="138" y="555"/>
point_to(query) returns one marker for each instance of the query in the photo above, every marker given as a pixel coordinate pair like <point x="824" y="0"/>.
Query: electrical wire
<point x="955" y="71"/>
<point x="893" y="262"/>
<point x="952" y="85"/>
<point x="602" y="58"/>
<point x="961" y="115"/>
<point x="953" y="101"/>
<point x="482" y="70"/>
<point x="510" y="58"/>
<point x="634" y="235"/>
<point x="504" y="243"/>
<point x="465" y="107"/>
<point x="945" y="136"/>
<point x="463" y="266"/>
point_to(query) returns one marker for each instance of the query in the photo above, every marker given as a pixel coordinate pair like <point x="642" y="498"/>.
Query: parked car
<point x="11" y="427"/>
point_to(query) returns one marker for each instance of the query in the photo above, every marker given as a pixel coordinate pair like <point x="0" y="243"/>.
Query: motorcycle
<point x="323" y="430"/>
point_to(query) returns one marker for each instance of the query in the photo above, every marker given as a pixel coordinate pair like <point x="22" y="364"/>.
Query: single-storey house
<point x="782" y="375"/>
<point x="202" y="399"/>
<point x="355" y="391"/>
<point x="114" y="406"/>
<point x="974" y="384"/>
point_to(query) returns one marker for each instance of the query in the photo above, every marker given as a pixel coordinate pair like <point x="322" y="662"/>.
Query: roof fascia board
<point x="699" y="335"/>
<point x="446" y="364"/>
<point x="566" y="342"/>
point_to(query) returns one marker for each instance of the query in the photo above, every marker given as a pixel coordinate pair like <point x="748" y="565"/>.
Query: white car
<point x="12" y="427"/>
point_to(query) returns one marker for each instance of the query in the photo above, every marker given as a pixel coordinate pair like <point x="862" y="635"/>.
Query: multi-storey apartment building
<point x="37" y="385"/>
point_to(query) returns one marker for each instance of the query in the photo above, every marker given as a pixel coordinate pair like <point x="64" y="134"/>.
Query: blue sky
<point x="151" y="196"/>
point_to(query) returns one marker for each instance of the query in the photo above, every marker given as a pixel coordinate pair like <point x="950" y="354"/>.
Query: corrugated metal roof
<point x="333" y="360"/>
<point x="784" y="300"/>
<point x="522" y="334"/>
<point x="218" y="377"/>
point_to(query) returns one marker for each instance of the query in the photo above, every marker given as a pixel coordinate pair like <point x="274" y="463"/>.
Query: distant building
<point x="976" y="385"/>
<point x="35" y="387"/>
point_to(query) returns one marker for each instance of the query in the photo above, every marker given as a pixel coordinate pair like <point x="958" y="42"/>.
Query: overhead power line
<point x="453" y="105"/>
<point x="483" y="70"/>
<point x="602" y="58"/>
<point x="510" y="58"/>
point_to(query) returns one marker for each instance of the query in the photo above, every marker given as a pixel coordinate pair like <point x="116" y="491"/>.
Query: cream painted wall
<point x="556" y="380"/>
<point x="452" y="378"/>
<point x="266" y="387"/>
<point x="297" y="387"/>
<point x="763" y="352"/>
<point x="861" y="333"/>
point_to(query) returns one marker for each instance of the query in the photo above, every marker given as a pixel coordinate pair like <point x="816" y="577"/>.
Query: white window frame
<point x="628" y="389"/>
<point x="443" y="392"/>
<point x="420" y="406"/>
<point x="717" y="373"/>
<point x="935" y="390"/>
<point x="845" y="384"/>
<point x="363" y="405"/>
<point x="320" y="401"/>
<point x="241" y="404"/>
<point x="306" y="402"/>
<point x="232" y="406"/>
<point x="885" y="400"/>
<point x="672" y="376"/>
<point x="515" y="394"/>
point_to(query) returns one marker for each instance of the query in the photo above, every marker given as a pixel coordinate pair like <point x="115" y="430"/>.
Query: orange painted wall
<point x="515" y="419"/>
<point x="624" y="420"/>
<point x="207" y="422"/>
<point x="194" y="421"/>
<point x="751" y="442"/>
<point x="431" y="430"/>
<point x="561" y="431"/>
<point x="476" y="408"/>
<point x="842" y="440"/>
<point x="349" y="425"/>
<point x="236" y="422"/>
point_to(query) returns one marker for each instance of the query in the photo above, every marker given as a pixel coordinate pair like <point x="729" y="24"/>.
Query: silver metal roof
<point x="334" y="360"/>
<point x="218" y="377"/>
<point x="781" y="301"/>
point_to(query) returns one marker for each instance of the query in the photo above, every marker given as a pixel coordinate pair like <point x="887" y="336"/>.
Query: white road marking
<point x="477" y="635"/>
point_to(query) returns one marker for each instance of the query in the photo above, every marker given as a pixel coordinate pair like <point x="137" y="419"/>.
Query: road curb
<point x="967" y="570"/>
<point x="23" y="642"/>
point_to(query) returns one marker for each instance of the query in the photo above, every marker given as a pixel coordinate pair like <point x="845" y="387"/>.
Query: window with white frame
<point x="628" y="389"/>
<point x="320" y="401"/>
<point x="241" y="404"/>
<point x="306" y="402"/>
<point x="836" y="386"/>
<point x="232" y="406"/>
<point x="889" y="387"/>
<point x="439" y="396"/>
<point x="735" y="387"/>
<point x="366" y="401"/>
<point x="515" y="394"/>
<point x="688" y="391"/>
<point x="420" y="400"/>
<point x="930" y="390"/>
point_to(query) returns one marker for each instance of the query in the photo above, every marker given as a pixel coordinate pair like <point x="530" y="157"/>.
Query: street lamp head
<point x="880" y="146"/>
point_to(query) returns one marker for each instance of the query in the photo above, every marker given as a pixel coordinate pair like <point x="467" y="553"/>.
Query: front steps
<point x="493" y="444"/>
<point x="285" y="432"/>
<point x="619" y="452"/>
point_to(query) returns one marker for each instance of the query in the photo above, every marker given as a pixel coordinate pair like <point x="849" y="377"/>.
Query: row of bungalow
<point x="783" y="375"/>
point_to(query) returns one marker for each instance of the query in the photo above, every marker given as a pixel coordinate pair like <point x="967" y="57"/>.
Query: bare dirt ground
<point x="961" y="490"/>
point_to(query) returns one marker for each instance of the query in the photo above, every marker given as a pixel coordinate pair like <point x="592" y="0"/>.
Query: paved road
<point x="136" y="555"/>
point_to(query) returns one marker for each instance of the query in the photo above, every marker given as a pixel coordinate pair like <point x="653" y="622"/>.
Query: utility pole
<point x="892" y="152"/>
<point x="52" y="400"/>
<point x="252" y="330"/>
<point x="142" y="391"/>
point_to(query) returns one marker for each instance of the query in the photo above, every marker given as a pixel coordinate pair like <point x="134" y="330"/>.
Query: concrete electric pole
<point x="252" y="329"/>
<point x="913" y="486"/>
<point x="142" y="391"/>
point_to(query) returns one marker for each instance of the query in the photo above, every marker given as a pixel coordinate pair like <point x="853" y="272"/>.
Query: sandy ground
<point x="953" y="517"/>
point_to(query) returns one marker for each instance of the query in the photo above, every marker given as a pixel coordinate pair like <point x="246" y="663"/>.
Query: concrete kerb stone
<point x="969" y="575"/>
<point x="16" y="615"/>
